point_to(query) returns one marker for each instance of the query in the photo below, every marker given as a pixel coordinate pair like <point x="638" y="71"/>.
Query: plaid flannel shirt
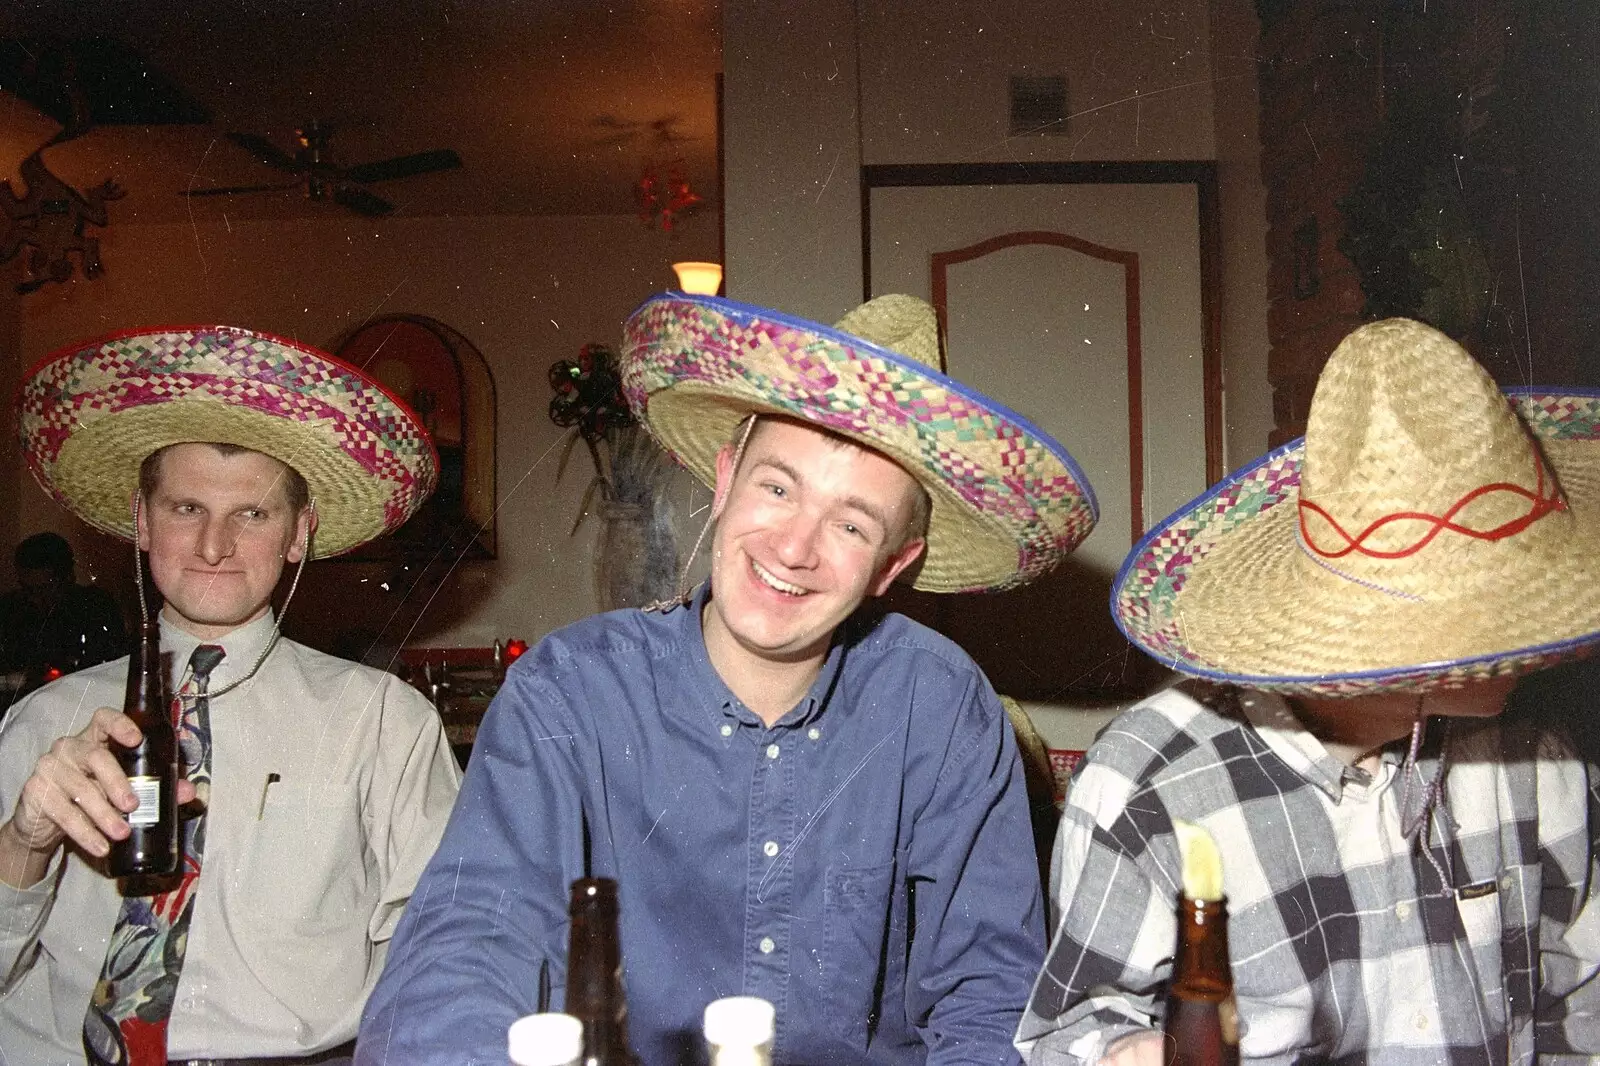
<point x="1346" y="944"/>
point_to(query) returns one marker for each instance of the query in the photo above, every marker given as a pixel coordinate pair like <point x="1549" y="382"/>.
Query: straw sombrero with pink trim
<point x="1428" y="530"/>
<point x="91" y="413"/>
<point x="1008" y="501"/>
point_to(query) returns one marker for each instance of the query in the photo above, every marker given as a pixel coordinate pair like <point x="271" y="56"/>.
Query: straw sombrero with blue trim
<point x="1008" y="501"/>
<point x="91" y="413"/>
<point x="1428" y="530"/>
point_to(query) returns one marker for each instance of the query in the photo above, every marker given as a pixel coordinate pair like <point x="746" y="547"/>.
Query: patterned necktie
<point x="127" y="1020"/>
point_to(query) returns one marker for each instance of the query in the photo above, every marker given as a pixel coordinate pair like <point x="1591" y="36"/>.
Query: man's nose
<point x="796" y="540"/>
<point x="217" y="540"/>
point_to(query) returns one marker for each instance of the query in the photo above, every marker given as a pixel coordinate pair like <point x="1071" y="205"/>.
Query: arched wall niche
<point x="446" y="381"/>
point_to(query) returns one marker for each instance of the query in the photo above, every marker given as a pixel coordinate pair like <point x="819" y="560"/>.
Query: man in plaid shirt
<point x="1410" y="876"/>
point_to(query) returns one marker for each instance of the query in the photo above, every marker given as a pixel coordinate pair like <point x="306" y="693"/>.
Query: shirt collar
<point x="242" y="645"/>
<point x="703" y="679"/>
<point x="1291" y="741"/>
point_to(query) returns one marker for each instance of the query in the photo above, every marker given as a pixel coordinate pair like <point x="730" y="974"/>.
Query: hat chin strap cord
<point x="1414" y="827"/>
<point x="277" y="620"/>
<point x="682" y="598"/>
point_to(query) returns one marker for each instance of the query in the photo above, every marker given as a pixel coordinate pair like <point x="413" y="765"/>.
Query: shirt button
<point x="766" y="945"/>
<point x="727" y="730"/>
<point x="814" y="733"/>
<point x="1402" y="910"/>
<point x="1421" y="1021"/>
<point x="770" y="848"/>
<point x="772" y="751"/>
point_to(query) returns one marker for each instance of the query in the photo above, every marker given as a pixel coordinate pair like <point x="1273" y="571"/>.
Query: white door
<point x="1080" y="306"/>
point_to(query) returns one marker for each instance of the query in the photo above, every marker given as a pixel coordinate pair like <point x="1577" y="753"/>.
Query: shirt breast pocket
<point x="861" y="960"/>
<point x="1479" y="907"/>
<point x="306" y="851"/>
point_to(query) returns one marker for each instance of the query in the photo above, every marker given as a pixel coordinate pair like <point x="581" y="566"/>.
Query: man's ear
<point x="725" y="474"/>
<point x="304" y="527"/>
<point x="893" y="566"/>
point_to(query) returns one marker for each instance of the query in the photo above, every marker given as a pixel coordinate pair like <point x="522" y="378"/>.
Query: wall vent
<point x="1038" y="106"/>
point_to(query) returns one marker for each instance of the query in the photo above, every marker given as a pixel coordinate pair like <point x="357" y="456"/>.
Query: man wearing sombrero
<point x="316" y="788"/>
<point x="798" y="802"/>
<point x="1410" y="878"/>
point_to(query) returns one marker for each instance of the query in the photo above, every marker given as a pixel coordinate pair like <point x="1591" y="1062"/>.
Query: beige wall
<point x="792" y="150"/>
<point x="525" y="291"/>
<point x="1247" y="397"/>
<point x="935" y="78"/>
<point x="809" y="100"/>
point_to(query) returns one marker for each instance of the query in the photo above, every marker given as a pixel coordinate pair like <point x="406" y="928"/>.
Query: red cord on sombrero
<point x="1542" y="505"/>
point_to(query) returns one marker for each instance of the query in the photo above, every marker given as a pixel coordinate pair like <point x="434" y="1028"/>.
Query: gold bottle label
<point x="148" y="792"/>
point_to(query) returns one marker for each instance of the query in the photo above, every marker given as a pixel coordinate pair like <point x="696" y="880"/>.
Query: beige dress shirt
<point x="330" y="785"/>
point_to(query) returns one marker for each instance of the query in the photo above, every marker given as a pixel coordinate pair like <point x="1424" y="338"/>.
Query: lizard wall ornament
<point x="50" y="218"/>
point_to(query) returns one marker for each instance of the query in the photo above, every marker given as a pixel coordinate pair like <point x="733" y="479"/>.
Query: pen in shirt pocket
<point x="261" y="808"/>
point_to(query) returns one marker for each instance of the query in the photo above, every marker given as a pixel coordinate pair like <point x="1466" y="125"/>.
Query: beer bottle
<point x="545" y="1040"/>
<point x="594" y="974"/>
<point x="739" y="1031"/>
<point x="151" y="846"/>
<point x="1202" y="1027"/>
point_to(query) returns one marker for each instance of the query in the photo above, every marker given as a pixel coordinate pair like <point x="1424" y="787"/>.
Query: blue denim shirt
<point x="866" y="864"/>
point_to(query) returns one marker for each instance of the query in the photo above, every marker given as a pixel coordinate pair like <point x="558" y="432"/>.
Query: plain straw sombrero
<point x="1428" y="530"/>
<point x="91" y="413"/>
<point x="1009" y="502"/>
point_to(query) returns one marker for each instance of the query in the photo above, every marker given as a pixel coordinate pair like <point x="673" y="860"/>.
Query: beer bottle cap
<point x="545" y="1040"/>
<point x="740" y="1021"/>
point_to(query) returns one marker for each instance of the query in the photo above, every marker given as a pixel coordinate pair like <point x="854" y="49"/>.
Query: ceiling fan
<point x="321" y="179"/>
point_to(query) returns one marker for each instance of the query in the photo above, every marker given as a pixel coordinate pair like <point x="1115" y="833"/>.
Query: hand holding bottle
<point x="77" y="792"/>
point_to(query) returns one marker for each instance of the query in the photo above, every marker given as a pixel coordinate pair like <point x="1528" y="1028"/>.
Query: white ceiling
<point x="555" y="108"/>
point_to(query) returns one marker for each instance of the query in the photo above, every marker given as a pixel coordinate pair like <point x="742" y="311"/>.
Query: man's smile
<point x="772" y="581"/>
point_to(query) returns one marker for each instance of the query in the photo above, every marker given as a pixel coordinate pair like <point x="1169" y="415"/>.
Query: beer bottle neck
<point x="594" y="973"/>
<point x="1201" y="969"/>
<point x="594" y="962"/>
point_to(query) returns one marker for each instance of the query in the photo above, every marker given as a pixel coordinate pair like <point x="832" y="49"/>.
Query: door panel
<point x="1080" y="306"/>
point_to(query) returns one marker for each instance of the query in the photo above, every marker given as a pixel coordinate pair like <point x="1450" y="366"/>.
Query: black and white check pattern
<point x="1347" y="947"/>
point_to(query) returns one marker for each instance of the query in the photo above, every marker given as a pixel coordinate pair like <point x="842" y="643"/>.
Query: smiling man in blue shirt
<point x="798" y="801"/>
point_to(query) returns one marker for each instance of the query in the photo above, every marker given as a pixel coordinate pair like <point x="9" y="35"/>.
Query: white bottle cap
<point x="739" y="1021"/>
<point x="545" y="1040"/>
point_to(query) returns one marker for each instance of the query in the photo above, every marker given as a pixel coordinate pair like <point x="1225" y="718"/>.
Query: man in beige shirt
<point x="326" y="784"/>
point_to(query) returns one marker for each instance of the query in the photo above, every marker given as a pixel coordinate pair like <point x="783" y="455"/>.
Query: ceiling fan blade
<point x="265" y="151"/>
<point x="361" y="201"/>
<point x="404" y="166"/>
<point x="229" y="190"/>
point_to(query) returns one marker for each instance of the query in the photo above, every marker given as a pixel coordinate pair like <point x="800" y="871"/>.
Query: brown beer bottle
<point x="1202" y="1027"/>
<point x="594" y="974"/>
<point x="151" y="846"/>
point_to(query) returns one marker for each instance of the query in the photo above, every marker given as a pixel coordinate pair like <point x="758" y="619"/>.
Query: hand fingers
<point x="59" y="800"/>
<point x="78" y="789"/>
<point x="111" y="725"/>
<point x="186" y="791"/>
<point x="103" y="768"/>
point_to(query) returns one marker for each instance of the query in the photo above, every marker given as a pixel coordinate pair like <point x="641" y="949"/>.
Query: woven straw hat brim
<point x="1008" y="502"/>
<point x="91" y="413"/>
<point x="1223" y="590"/>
